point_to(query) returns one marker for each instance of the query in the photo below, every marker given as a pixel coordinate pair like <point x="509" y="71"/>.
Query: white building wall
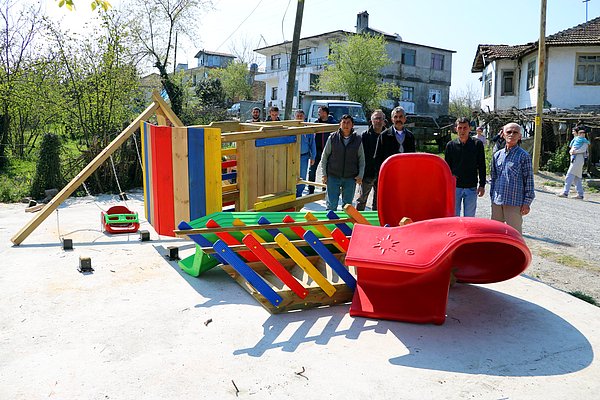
<point x="487" y="103"/>
<point x="561" y="89"/>
<point x="506" y="102"/>
<point x="527" y="98"/>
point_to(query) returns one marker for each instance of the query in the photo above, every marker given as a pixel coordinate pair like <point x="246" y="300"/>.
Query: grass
<point x="567" y="260"/>
<point x="585" y="297"/>
<point x="15" y="184"/>
<point x="553" y="184"/>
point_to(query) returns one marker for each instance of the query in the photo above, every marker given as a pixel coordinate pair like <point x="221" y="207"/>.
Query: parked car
<point x="234" y="110"/>
<point x="337" y="108"/>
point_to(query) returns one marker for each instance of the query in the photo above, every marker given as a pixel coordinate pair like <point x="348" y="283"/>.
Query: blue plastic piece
<point x="330" y="259"/>
<point x="248" y="273"/>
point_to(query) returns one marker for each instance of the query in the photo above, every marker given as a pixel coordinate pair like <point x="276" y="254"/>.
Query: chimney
<point x="362" y="22"/>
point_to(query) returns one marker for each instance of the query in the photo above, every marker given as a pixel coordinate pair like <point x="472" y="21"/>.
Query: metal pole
<point x="537" y="143"/>
<point x="289" y="94"/>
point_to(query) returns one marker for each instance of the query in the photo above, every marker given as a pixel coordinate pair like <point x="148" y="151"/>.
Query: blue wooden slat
<point x="275" y="141"/>
<point x="196" y="173"/>
<point x="229" y="175"/>
<point x="274" y="232"/>
<point x="330" y="259"/>
<point x="342" y="227"/>
<point x="200" y="240"/>
<point x="248" y="273"/>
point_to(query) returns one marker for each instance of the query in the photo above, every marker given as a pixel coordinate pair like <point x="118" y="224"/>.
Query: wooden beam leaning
<point x="25" y="231"/>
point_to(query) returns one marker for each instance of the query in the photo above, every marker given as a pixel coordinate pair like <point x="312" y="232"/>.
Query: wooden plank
<point x="266" y="132"/>
<point x="355" y="214"/>
<point x="147" y="170"/>
<point x="269" y="172"/>
<point x="298" y="202"/>
<point x="166" y="109"/>
<point x="212" y="167"/>
<point x="162" y="172"/>
<point x="26" y="230"/>
<point x="196" y="165"/>
<point x="181" y="189"/>
<point x="305" y="264"/>
<point x="275" y="200"/>
<point x="292" y="165"/>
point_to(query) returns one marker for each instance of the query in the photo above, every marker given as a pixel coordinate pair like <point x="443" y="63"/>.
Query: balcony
<point x="316" y="63"/>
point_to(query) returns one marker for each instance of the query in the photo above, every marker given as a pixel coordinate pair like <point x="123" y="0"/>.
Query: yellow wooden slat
<point x="322" y="229"/>
<point x="275" y="201"/>
<point x="212" y="170"/>
<point x="240" y="223"/>
<point x="305" y="264"/>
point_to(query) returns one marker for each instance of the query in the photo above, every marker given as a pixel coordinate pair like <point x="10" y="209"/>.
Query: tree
<point x="464" y="102"/>
<point x="210" y="92"/>
<point x="156" y="25"/>
<point x="235" y="79"/>
<point x="355" y="68"/>
<point x="17" y="33"/>
<point x="103" y="4"/>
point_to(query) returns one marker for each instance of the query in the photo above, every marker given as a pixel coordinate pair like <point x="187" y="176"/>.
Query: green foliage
<point x="355" y="69"/>
<point x="235" y="79"/>
<point x="103" y="4"/>
<point x="210" y="92"/>
<point x="559" y="161"/>
<point x="464" y="102"/>
<point x="15" y="183"/>
<point x="47" y="171"/>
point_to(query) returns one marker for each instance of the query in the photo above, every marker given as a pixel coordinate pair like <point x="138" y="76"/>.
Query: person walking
<point x="466" y="158"/>
<point x="395" y="139"/>
<point x="578" y="151"/>
<point x="511" y="185"/>
<point x="308" y="152"/>
<point x="342" y="163"/>
<point x="369" y="140"/>
<point x="320" y="140"/>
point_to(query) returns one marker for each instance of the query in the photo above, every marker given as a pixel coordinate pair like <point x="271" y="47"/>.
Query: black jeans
<point x="312" y="172"/>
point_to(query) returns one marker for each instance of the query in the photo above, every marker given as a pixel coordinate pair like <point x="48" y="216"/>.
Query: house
<point x="423" y="72"/>
<point x="509" y="75"/>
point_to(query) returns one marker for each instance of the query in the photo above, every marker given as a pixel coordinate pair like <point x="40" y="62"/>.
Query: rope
<point x="115" y="173"/>
<point x="58" y="226"/>
<point x="138" y="152"/>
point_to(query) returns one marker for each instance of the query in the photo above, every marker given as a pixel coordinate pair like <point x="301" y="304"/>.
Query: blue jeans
<point x="303" y="169"/>
<point x="466" y="198"/>
<point x="347" y="186"/>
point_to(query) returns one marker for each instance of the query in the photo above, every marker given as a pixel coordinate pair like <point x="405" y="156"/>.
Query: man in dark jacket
<point x="395" y="139"/>
<point x="343" y="163"/>
<point x="320" y="140"/>
<point x="369" y="141"/>
<point x="466" y="158"/>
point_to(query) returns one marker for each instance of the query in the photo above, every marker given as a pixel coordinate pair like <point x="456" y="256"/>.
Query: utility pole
<point x="537" y="139"/>
<point x="289" y="95"/>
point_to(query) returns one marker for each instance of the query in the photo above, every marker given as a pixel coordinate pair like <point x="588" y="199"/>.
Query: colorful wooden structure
<point x="286" y="261"/>
<point x="188" y="174"/>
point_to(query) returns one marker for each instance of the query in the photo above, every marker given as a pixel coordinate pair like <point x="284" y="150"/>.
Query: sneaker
<point x="562" y="195"/>
<point x="578" y="197"/>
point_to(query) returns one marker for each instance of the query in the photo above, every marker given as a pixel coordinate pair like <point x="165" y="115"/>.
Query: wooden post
<point x="541" y="87"/>
<point x="82" y="176"/>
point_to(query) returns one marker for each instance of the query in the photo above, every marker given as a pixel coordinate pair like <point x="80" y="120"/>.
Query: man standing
<point x="395" y="139"/>
<point x="308" y="152"/>
<point x="369" y="181"/>
<point x="466" y="158"/>
<point x="343" y="163"/>
<point x="320" y="140"/>
<point x="273" y="114"/>
<point x="511" y="180"/>
<point x="255" y="115"/>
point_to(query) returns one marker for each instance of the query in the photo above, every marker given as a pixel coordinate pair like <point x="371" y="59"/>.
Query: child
<point x="480" y="135"/>
<point x="578" y="141"/>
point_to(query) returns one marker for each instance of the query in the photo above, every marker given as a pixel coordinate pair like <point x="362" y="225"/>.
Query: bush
<point x="47" y="170"/>
<point x="559" y="161"/>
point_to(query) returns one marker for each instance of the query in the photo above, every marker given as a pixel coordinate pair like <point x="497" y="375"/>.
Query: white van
<point x="337" y="108"/>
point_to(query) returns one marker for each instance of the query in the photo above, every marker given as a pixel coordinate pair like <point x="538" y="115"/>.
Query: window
<point x="437" y="61"/>
<point x="588" y="69"/>
<point x="274" y="93"/>
<point x="487" y="85"/>
<point x="275" y="61"/>
<point x="435" y="96"/>
<point x="531" y="74"/>
<point x="409" y="56"/>
<point x="508" y="83"/>
<point x="304" y="56"/>
<point x="408" y="93"/>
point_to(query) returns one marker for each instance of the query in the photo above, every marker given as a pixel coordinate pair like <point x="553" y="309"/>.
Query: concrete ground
<point x="139" y="328"/>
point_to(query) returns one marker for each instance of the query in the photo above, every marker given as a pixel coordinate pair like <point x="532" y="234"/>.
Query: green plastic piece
<point x="110" y="219"/>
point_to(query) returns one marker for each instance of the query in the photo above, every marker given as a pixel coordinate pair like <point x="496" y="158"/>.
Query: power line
<point x="240" y="25"/>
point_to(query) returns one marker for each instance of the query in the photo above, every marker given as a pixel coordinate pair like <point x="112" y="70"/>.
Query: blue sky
<point x="458" y="25"/>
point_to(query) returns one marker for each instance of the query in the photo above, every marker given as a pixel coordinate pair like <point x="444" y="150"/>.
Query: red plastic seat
<point x="403" y="273"/>
<point x="419" y="186"/>
<point x="119" y="219"/>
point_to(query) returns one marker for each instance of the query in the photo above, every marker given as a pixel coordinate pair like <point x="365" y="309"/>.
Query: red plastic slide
<point x="403" y="273"/>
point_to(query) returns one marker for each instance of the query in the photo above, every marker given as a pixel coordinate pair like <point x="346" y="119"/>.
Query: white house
<point x="423" y="72"/>
<point x="509" y="75"/>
